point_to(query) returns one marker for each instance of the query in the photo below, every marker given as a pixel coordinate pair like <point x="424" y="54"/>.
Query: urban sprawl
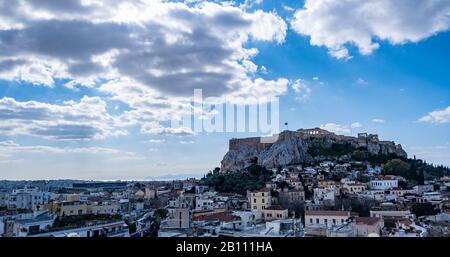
<point x="346" y="194"/>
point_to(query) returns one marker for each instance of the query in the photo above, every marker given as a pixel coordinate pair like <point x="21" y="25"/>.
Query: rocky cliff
<point x="302" y="147"/>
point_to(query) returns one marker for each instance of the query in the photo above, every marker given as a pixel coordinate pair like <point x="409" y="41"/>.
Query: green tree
<point x="424" y="209"/>
<point x="359" y="155"/>
<point x="396" y="167"/>
<point x="161" y="214"/>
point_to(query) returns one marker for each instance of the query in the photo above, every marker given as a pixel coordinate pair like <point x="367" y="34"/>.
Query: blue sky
<point x="100" y="108"/>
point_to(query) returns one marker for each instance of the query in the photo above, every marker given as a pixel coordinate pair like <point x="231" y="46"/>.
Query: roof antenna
<point x="286" y="124"/>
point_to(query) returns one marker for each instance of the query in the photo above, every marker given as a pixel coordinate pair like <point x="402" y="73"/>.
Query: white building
<point x="383" y="183"/>
<point x="432" y="196"/>
<point x="249" y="218"/>
<point x="420" y="189"/>
<point x="328" y="217"/>
<point x="378" y="195"/>
<point x="203" y="204"/>
<point x="324" y="194"/>
<point x="28" y="199"/>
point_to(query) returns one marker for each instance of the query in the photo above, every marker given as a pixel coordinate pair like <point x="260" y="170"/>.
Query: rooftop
<point x="367" y="220"/>
<point x="330" y="213"/>
<point x="221" y="216"/>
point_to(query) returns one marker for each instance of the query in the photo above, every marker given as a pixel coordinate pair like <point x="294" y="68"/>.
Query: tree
<point x="161" y="214"/>
<point x="216" y="170"/>
<point x="359" y="155"/>
<point x="252" y="178"/>
<point x="395" y="166"/>
<point x="424" y="209"/>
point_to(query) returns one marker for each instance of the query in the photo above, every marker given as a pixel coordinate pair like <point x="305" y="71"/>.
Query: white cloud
<point x="361" y="82"/>
<point x="150" y="54"/>
<point x="157" y="141"/>
<point x="336" y="128"/>
<point x="9" y="148"/>
<point x="263" y="69"/>
<point x="250" y="3"/>
<point x="302" y="90"/>
<point x="378" y="121"/>
<point x="356" y="125"/>
<point x="341" y="129"/>
<point x="438" y="116"/>
<point x="288" y="8"/>
<point x="156" y="128"/>
<point x="186" y="142"/>
<point x="71" y="120"/>
<point x="337" y="24"/>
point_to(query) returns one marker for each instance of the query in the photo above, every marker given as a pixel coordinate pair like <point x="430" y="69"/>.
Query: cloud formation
<point x="338" y="24"/>
<point x="438" y="116"/>
<point x="341" y="129"/>
<point x="150" y="55"/>
<point x="378" y="120"/>
<point x="302" y="90"/>
<point x="9" y="148"/>
<point x="83" y="120"/>
<point x="167" y="47"/>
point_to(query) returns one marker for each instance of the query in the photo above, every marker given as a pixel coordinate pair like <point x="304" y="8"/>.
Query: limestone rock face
<point x="292" y="148"/>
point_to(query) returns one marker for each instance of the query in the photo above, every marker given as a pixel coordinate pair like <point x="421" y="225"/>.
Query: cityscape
<point x="343" y="186"/>
<point x="245" y="120"/>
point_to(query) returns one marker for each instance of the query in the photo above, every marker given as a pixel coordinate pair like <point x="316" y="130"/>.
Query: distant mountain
<point x="175" y="176"/>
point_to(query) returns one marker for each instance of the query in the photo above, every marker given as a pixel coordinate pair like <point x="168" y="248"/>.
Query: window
<point x="262" y="194"/>
<point x="317" y="221"/>
<point x="254" y="200"/>
<point x="334" y="221"/>
<point x="326" y="220"/>
<point x="311" y="220"/>
<point x="263" y="200"/>
<point x="254" y="207"/>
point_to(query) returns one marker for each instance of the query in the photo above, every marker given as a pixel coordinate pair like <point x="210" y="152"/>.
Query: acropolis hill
<point x="292" y="147"/>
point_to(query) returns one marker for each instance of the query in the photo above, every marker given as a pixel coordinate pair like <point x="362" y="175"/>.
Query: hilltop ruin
<point x="291" y="147"/>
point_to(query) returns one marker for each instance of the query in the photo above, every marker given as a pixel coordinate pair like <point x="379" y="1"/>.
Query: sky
<point x="88" y="87"/>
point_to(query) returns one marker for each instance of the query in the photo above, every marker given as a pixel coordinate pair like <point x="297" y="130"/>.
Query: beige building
<point x="275" y="212"/>
<point x="293" y="196"/>
<point x="326" y="183"/>
<point x="327" y="217"/>
<point x="355" y="187"/>
<point x="71" y="197"/>
<point x="177" y="217"/>
<point x="146" y="193"/>
<point x="150" y="193"/>
<point x="260" y="199"/>
<point x="110" y="208"/>
<point x="62" y="209"/>
<point x="368" y="225"/>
